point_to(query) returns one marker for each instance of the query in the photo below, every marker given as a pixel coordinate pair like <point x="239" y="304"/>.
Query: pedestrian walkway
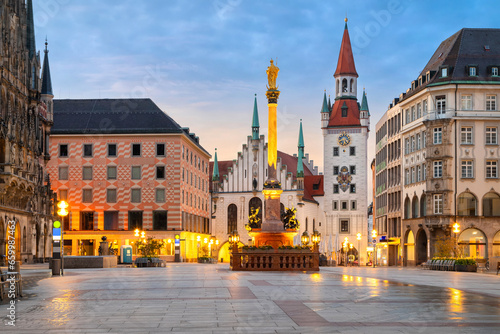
<point x="208" y="298"/>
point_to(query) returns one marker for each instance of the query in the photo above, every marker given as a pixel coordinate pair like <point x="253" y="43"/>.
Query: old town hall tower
<point x="345" y="128"/>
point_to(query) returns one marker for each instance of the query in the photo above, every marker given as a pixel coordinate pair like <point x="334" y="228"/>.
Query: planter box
<point x="466" y="267"/>
<point x="205" y="260"/>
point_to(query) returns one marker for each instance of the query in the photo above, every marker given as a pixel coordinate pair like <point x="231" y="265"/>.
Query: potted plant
<point x="467" y="265"/>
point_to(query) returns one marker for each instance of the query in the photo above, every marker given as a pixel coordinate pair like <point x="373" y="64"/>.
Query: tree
<point x="150" y="248"/>
<point x="446" y="246"/>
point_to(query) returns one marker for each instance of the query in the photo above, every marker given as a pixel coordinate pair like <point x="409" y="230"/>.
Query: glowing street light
<point x="374" y="237"/>
<point x="358" y="236"/>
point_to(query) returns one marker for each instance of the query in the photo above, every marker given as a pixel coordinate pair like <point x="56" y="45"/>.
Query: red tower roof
<point x="351" y="117"/>
<point x="345" y="64"/>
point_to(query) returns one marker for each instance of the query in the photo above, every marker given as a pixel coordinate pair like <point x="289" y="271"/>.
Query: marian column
<point x="272" y="188"/>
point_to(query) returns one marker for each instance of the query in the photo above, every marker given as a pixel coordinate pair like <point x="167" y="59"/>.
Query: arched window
<point x="338" y="86"/>
<point x="415" y="207"/>
<point x="410" y="246"/>
<point x="423" y="206"/>
<point x="491" y="205"/>
<point x="351" y="85"/>
<point x="407" y="208"/>
<point x="344" y="86"/>
<point x="496" y="244"/>
<point x="474" y="241"/>
<point x="254" y="205"/>
<point x="232" y="218"/>
<point x="314" y="225"/>
<point x="466" y="204"/>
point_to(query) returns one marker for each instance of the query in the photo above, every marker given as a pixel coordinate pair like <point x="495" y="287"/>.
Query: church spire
<point x="30" y="36"/>
<point x="215" y="175"/>
<point x="325" y="108"/>
<point x="300" y="167"/>
<point x="46" y="81"/>
<point x="345" y="65"/>
<point x="364" y="103"/>
<point x="255" y="121"/>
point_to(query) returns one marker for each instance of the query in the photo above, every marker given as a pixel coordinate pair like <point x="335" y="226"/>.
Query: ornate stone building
<point x="25" y="121"/>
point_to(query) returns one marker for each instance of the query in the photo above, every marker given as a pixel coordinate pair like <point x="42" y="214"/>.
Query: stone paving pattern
<point x="206" y="298"/>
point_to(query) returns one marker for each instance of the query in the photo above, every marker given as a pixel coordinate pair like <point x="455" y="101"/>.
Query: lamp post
<point x="346" y="247"/>
<point x="358" y="236"/>
<point x="305" y="239"/>
<point x="456" y="230"/>
<point x="316" y="239"/>
<point x="62" y="212"/>
<point x="374" y="237"/>
<point x="198" y="246"/>
<point x="235" y="260"/>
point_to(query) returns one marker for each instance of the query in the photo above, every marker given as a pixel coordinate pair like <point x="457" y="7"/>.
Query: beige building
<point x="449" y="135"/>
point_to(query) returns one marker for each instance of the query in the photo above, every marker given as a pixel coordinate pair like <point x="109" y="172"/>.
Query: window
<point x="491" y="205"/>
<point x="491" y="135"/>
<point x="467" y="169"/>
<point x="352" y="170"/>
<point x="494" y="71"/>
<point x="135" y="195"/>
<point x="335" y="205"/>
<point x="134" y="220"/>
<point x="110" y="220"/>
<point x="413" y="175"/>
<point x="424" y="106"/>
<point x="160" y="196"/>
<point x="63" y="150"/>
<point x="491" y="102"/>
<point x="111" y="195"/>
<point x="418" y="141"/>
<point x="413" y="113"/>
<point x="160" y="172"/>
<point x="419" y="110"/>
<point x="466" y="204"/>
<point x="335" y="188"/>
<point x="87" y="150"/>
<point x="111" y="172"/>
<point x="419" y="173"/>
<point x="407" y="176"/>
<point x="438" y="204"/>
<point x="136" y="172"/>
<point x="111" y="150"/>
<point x="63" y="194"/>
<point x="472" y="71"/>
<point x="353" y="205"/>
<point x="424" y="139"/>
<point x="441" y="104"/>
<point x="438" y="136"/>
<point x="159" y="220"/>
<point x="87" y="196"/>
<point x="466" y="135"/>
<point x="407" y="145"/>
<point x="412" y="143"/>
<point x="444" y="72"/>
<point x="136" y="150"/>
<point x="466" y="102"/>
<point x="87" y="172"/>
<point x="407" y="116"/>
<point x="344" y="226"/>
<point x="335" y="170"/>
<point x="336" y="151"/>
<point x="424" y="172"/>
<point x="352" y="151"/>
<point x="438" y="169"/>
<point x="343" y="205"/>
<point x="160" y="150"/>
<point x="353" y="188"/>
<point x="491" y="169"/>
<point x="253" y="205"/>
<point x="63" y="173"/>
<point x="86" y="221"/>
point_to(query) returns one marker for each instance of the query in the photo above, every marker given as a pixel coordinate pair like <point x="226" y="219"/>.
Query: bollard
<point x="17" y="266"/>
<point x="56" y="267"/>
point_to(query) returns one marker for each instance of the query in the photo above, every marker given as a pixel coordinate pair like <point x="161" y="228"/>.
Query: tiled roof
<point x="313" y="186"/>
<point x="345" y="65"/>
<point x="352" y="119"/>
<point x="113" y="116"/>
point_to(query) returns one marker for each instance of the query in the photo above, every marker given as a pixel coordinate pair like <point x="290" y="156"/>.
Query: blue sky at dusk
<point x="203" y="61"/>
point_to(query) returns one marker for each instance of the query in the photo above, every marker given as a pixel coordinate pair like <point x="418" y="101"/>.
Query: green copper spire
<point x="255" y="121"/>
<point x="325" y="104"/>
<point x="215" y="175"/>
<point x="300" y="167"/>
<point x="364" y="103"/>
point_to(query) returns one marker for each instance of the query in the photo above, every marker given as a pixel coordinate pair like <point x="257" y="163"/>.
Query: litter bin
<point x="126" y="254"/>
<point x="56" y="267"/>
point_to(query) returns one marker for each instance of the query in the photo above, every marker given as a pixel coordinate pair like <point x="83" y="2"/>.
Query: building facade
<point x="449" y="133"/>
<point x="26" y="199"/>
<point x="345" y="127"/>
<point x="124" y="165"/>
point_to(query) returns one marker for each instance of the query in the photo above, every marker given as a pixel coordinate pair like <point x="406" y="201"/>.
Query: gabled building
<point x="26" y="199"/>
<point x="122" y="165"/>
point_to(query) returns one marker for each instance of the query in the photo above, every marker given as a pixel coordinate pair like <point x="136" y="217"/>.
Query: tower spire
<point x="364" y="103"/>
<point x="255" y="121"/>
<point x="46" y="80"/>
<point x="215" y="175"/>
<point x="325" y="104"/>
<point x="345" y="65"/>
<point x="300" y="167"/>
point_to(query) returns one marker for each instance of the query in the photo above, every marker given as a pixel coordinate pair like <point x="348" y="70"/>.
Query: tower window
<point x="335" y="170"/>
<point x="336" y="151"/>
<point x="494" y="71"/>
<point x="335" y="188"/>
<point x="352" y="151"/>
<point x="344" y="86"/>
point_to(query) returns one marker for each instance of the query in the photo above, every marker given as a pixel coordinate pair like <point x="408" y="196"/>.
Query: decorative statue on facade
<point x="289" y="220"/>
<point x="272" y="75"/>
<point x="253" y="220"/>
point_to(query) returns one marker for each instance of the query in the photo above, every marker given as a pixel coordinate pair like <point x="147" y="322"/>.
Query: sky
<point x="202" y="61"/>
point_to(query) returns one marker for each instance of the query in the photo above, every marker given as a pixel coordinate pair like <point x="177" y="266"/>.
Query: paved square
<point x="197" y="298"/>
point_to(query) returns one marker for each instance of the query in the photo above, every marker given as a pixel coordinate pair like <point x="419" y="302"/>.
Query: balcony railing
<point x="275" y="260"/>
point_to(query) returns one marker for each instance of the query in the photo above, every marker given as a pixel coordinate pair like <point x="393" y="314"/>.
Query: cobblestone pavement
<point x="206" y="298"/>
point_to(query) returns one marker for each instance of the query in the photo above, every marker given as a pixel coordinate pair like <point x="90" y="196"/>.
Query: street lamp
<point x="345" y="247"/>
<point x="316" y="239"/>
<point x="456" y="230"/>
<point x="62" y="212"/>
<point x="358" y="236"/>
<point x="374" y="237"/>
<point x="198" y="238"/>
<point x="305" y="238"/>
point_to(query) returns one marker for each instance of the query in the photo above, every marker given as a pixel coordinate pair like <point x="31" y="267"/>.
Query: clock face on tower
<point x="344" y="139"/>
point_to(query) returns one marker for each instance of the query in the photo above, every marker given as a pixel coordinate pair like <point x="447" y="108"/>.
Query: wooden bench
<point x="5" y="283"/>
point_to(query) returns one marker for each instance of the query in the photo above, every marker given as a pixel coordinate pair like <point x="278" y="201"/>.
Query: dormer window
<point x="413" y="85"/>
<point x="420" y="80"/>
<point x="444" y="72"/>
<point x="494" y="71"/>
<point x="472" y="71"/>
<point x="428" y="76"/>
<point x="344" y="110"/>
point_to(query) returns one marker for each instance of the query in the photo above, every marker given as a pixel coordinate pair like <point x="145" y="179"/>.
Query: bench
<point x="5" y="283"/>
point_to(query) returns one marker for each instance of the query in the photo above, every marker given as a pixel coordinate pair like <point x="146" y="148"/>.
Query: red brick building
<point x="123" y="165"/>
